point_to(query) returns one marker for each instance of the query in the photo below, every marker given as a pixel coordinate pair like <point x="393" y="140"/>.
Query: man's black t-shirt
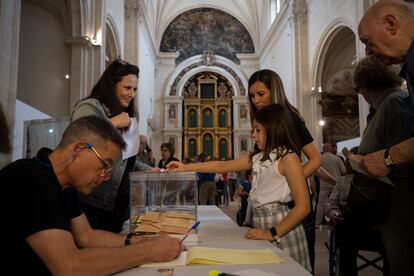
<point x="32" y="201"/>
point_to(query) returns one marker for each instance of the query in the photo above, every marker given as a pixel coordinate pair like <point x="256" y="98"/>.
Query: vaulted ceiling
<point x="160" y="13"/>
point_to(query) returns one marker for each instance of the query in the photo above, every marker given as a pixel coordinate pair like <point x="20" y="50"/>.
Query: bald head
<point x="386" y="30"/>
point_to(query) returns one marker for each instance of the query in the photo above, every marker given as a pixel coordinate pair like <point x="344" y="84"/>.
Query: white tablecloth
<point x="218" y="230"/>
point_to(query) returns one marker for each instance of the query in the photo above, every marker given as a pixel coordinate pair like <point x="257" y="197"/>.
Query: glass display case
<point x="163" y="203"/>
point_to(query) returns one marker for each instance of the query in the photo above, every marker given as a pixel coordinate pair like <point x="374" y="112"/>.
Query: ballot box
<point x="163" y="203"/>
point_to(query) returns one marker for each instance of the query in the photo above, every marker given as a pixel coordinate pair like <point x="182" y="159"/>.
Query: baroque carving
<point x="206" y="29"/>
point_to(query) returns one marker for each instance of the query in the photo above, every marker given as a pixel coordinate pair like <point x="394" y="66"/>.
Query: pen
<point x="194" y="227"/>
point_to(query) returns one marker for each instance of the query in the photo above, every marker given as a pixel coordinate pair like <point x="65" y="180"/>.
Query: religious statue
<point x="222" y="89"/>
<point x="171" y="112"/>
<point x="243" y="111"/>
<point x="243" y="143"/>
<point x="208" y="58"/>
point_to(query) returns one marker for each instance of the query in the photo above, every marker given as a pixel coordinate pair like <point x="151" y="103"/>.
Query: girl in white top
<point x="277" y="179"/>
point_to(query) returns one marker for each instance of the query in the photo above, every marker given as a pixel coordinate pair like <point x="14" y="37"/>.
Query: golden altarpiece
<point x="207" y="122"/>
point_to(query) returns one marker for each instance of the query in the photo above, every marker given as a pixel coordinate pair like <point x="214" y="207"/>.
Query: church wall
<point x="42" y="34"/>
<point x="146" y="84"/>
<point x="165" y="66"/>
<point x="278" y="56"/>
<point x="323" y="14"/>
<point x="323" y="18"/>
<point x="115" y="9"/>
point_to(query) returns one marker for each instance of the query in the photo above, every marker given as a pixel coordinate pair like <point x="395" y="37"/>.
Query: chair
<point x="369" y="241"/>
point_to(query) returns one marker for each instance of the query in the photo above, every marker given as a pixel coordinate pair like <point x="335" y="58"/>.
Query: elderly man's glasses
<point x="107" y="165"/>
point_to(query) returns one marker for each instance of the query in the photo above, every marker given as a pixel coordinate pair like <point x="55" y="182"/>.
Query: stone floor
<point x="322" y="236"/>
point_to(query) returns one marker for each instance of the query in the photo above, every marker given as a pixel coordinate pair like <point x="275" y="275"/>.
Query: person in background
<point x="112" y="98"/>
<point x="243" y="191"/>
<point x="144" y="152"/>
<point x="167" y="154"/>
<point x="265" y="88"/>
<point x="335" y="167"/>
<point x="334" y="151"/>
<point x="381" y="88"/>
<point x="50" y="235"/>
<point x="207" y="189"/>
<point x="232" y="180"/>
<point x="219" y="179"/>
<point x="5" y="147"/>
<point x="225" y="190"/>
<point x="278" y="178"/>
<point x="387" y="31"/>
<point x="142" y="161"/>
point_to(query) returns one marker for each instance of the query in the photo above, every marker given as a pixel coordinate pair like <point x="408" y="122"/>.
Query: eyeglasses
<point x="107" y="165"/>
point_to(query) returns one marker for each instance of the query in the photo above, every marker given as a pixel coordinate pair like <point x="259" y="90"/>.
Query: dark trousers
<point x="398" y="231"/>
<point x="351" y="238"/>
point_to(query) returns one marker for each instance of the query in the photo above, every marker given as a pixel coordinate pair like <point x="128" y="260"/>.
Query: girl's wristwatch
<point x="275" y="235"/>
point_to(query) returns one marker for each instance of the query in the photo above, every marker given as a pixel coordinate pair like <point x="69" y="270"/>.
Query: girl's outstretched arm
<point x="241" y="164"/>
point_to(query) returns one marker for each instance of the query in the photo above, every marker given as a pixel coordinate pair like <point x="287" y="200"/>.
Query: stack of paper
<point x="166" y="222"/>
<point x="199" y="255"/>
<point x="210" y="255"/>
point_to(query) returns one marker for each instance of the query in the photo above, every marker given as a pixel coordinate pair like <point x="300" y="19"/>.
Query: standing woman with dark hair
<point x="265" y="88"/>
<point x="112" y="98"/>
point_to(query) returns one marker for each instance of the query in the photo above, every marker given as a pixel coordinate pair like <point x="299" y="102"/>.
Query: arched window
<point x="223" y="149"/>
<point x="207" y="117"/>
<point x="192" y="148"/>
<point x="208" y="144"/>
<point x="192" y="118"/>
<point x="222" y="118"/>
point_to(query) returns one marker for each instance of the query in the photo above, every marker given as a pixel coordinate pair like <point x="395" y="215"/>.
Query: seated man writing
<point x="48" y="233"/>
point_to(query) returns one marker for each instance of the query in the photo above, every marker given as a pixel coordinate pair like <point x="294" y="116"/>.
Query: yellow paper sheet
<point x="210" y="255"/>
<point x="151" y="216"/>
<point x="178" y="222"/>
<point x="180" y="261"/>
<point x="148" y="228"/>
<point x="179" y="215"/>
<point x="199" y="255"/>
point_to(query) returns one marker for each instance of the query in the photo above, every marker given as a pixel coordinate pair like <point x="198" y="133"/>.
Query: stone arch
<point x="43" y="55"/>
<point x="173" y="93"/>
<point x="333" y="68"/>
<point x="327" y="38"/>
<point x="112" y="44"/>
<point x="194" y="65"/>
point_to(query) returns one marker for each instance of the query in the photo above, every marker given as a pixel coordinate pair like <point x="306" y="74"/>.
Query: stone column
<point x="9" y="60"/>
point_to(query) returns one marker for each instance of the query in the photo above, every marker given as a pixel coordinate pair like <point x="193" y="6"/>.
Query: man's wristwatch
<point x="388" y="160"/>
<point x="275" y="235"/>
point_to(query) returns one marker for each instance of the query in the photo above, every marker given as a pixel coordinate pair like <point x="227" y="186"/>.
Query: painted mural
<point x="206" y="29"/>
